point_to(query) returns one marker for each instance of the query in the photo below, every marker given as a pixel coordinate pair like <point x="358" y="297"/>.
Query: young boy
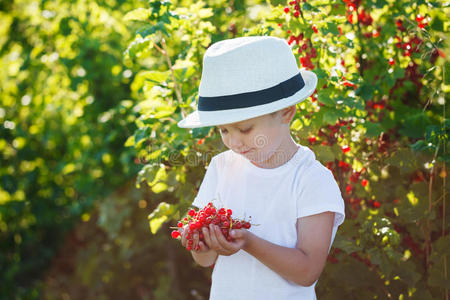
<point x="249" y="89"/>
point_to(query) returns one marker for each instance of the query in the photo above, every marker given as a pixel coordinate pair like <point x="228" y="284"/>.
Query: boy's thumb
<point x="233" y="233"/>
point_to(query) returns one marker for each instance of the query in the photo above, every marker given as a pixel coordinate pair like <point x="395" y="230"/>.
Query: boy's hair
<point x="273" y="114"/>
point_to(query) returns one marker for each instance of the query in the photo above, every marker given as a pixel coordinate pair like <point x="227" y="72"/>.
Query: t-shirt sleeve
<point x="320" y="192"/>
<point x="207" y="189"/>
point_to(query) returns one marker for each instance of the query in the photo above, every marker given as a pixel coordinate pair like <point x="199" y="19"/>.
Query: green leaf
<point x="346" y="244"/>
<point x="154" y="155"/>
<point x="147" y="173"/>
<point x="378" y="258"/>
<point x="338" y="11"/>
<point x="330" y="116"/>
<point x="159" y="215"/>
<point x="156" y="77"/>
<point x="156" y="223"/>
<point x="69" y="168"/>
<point x="296" y="125"/>
<point x="414" y="125"/>
<point x="323" y="153"/>
<point x="138" y="14"/>
<point x="421" y="146"/>
<point x="200" y="132"/>
<point x="140" y="44"/>
<point x="141" y="133"/>
<point x="365" y="90"/>
<point x="380" y="3"/>
<point x="353" y="102"/>
<point x="332" y="28"/>
<point x="308" y="7"/>
<point x="324" y="97"/>
<point x="205" y="13"/>
<point x="321" y="73"/>
<point x="130" y="141"/>
<point x="404" y="159"/>
<point x="442" y="244"/>
<point x="399" y="72"/>
<point x="163" y="209"/>
<point x="437" y="24"/>
<point x="160" y="176"/>
<point x="373" y="129"/>
<point x="390" y="81"/>
<point x="407" y="273"/>
<point x="184" y="70"/>
<point x="164" y="111"/>
<point x="159" y="187"/>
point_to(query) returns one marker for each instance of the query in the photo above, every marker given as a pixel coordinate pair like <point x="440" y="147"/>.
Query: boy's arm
<point x="205" y="259"/>
<point x="303" y="264"/>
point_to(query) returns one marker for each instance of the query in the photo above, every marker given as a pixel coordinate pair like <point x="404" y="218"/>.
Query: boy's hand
<point x="216" y="241"/>
<point x="185" y="243"/>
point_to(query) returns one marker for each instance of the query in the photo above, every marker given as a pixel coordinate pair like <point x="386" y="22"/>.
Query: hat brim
<point x="198" y="119"/>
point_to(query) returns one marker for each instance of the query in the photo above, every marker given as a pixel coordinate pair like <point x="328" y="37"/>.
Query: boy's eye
<point x="223" y="131"/>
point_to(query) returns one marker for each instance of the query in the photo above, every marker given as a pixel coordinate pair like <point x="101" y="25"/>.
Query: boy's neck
<point x="283" y="154"/>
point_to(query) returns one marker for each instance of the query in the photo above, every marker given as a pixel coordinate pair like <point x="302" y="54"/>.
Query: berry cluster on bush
<point x="196" y="220"/>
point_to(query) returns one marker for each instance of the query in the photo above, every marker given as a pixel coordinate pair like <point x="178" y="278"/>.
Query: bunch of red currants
<point x="196" y="220"/>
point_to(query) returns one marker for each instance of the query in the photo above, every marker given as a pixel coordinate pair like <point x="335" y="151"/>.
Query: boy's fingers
<point x="202" y="246"/>
<point x="237" y="233"/>
<point x="214" y="242"/>
<point x="183" y="241"/>
<point x="183" y="236"/>
<point x="206" y="236"/>
<point x="222" y="241"/>
<point x="194" y="245"/>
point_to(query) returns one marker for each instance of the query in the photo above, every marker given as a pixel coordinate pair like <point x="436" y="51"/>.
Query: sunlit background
<point x="90" y="94"/>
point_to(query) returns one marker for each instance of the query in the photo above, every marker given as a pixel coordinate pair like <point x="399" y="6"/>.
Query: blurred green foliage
<point x="64" y="120"/>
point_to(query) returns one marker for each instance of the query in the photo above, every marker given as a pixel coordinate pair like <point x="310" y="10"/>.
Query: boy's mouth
<point x="245" y="151"/>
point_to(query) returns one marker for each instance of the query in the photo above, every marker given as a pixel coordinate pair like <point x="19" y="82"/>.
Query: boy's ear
<point x="287" y="114"/>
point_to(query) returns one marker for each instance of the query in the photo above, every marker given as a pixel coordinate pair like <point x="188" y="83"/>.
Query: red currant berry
<point x="345" y="149"/>
<point x="175" y="234"/>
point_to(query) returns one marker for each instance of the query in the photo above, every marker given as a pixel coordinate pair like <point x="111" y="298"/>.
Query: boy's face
<point x="258" y="138"/>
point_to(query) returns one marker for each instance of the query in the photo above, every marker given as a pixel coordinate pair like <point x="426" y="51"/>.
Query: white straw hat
<point x="247" y="77"/>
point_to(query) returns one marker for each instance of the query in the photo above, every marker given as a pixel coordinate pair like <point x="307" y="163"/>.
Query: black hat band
<point x="282" y="90"/>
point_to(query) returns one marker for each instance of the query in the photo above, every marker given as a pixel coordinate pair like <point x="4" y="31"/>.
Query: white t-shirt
<point x="274" y="198"/>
